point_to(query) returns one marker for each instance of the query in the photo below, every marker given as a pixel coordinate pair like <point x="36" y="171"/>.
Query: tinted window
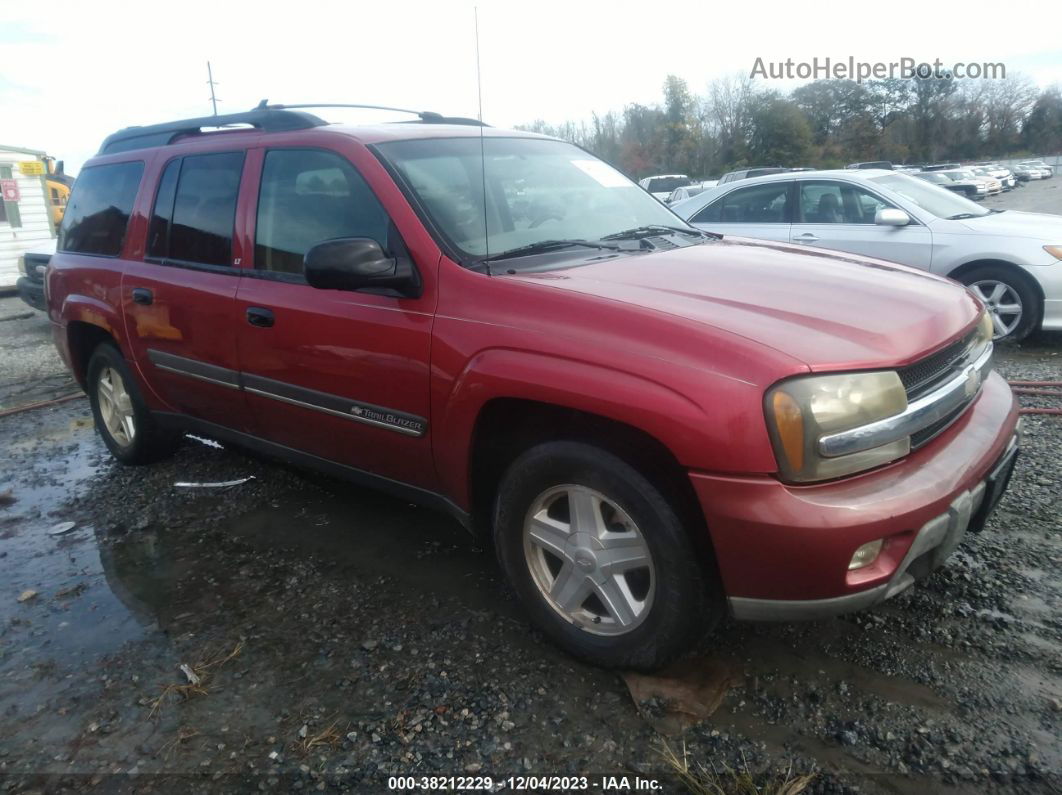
<point x="158" y="242"/>
<point x="99" y="208"/>
<point x="837" y="203"/>
<point x="204" y="208"/>
<point x="757" y="204"/>
<point x="309" y="196"/>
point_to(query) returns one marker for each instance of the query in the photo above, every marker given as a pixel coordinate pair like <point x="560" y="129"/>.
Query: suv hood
<point x="829" y="310"/>
<point x="1014" y="223"/>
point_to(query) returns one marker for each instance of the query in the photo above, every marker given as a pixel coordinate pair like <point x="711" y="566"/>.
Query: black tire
<point x="687" y="599"/>
<point x="1032" y="306"/>
<point x="149" y="442"/>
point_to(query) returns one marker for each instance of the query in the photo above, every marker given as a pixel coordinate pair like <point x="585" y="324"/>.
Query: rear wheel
<point x="122" y="418"/>
<point x="599" y="557"/>
<point x="1011" y="302"/>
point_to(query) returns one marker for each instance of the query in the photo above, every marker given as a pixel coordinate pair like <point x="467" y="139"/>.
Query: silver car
<point x="1011" y="260"/>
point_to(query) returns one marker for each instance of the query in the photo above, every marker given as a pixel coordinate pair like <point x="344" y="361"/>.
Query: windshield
<point x="667" y="184"/>
<point x="938" y="201"/>
<point x="934" y="176"/>
<point x="536" y="190"/>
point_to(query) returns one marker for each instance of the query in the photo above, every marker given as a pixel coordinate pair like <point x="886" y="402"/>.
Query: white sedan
<point x="1011" y="260"/>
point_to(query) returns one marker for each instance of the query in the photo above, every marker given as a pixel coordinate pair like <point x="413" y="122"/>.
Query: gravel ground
<point x="342" y="636"/>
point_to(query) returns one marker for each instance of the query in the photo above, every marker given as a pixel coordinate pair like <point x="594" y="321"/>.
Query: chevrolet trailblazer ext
<point x="655" y="426"/>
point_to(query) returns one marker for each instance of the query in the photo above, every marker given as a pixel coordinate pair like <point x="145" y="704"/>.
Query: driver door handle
<point x="807" y="237"/>
<point x="260" y="317"/>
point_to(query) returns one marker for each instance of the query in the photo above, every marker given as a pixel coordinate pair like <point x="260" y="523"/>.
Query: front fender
<point x="723" y="430"/>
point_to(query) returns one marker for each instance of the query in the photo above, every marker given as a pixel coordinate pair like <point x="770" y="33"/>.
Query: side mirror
<point x="890" y="216"/>
<point x="358" y="263"/>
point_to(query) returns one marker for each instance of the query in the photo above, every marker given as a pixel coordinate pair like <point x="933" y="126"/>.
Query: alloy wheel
<point x="589" y="560"/>
<point x="1004" y="305"/>
<point x="116" y="407"/>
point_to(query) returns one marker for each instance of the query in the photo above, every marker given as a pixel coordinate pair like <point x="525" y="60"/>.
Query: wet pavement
<point x="340" y="636"/>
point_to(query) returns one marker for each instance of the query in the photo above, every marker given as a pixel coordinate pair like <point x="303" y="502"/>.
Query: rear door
<point x="840" y="215"/>
<point x="179" y="300"/>
<point x="342" y="375"/>
<point x="760" y="211"/>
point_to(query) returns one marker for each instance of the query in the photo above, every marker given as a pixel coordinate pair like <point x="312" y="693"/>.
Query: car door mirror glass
<point x="890" y="216"/>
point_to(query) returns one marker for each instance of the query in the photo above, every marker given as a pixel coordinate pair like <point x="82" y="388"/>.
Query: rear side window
<point x="195" y="209"/>
<point x="308" y="196"/>
<point x="98" y="212"/>
<point x="756" y="204"/>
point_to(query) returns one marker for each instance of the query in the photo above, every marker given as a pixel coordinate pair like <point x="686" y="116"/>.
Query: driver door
<point x="840" y="215"/>
<point x="338" y="374"/>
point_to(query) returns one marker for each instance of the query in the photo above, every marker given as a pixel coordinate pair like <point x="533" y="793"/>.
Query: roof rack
<point x="424" y="116"/>
<point x="262" y="118"/>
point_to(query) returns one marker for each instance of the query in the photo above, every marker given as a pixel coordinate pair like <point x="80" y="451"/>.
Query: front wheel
<point x="122" y="417"/>
<point x="1011" y="302"/>
<point x="599" y="557"/>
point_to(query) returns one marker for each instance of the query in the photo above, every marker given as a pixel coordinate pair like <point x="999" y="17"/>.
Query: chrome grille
<point x="926" y="375"/>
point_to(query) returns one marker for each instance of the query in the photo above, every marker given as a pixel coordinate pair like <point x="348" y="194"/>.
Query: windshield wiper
<point x="655" y="229"/>
<point x="543" y="246"/>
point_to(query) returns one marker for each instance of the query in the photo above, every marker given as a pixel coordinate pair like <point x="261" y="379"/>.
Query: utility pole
<point x="211" y="83"/>
<point x="479" y="79"/>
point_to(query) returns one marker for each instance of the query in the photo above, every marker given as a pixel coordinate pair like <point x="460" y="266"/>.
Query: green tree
<point x="780" y="132"/>
<point x="1042" y="131"/>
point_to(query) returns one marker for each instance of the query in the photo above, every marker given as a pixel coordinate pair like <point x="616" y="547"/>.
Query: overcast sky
<point x="70" y="73"/>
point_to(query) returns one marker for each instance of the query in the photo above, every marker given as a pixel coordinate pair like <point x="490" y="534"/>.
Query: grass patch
<point x="202" y="672"/>
<point x="700" y="779"/>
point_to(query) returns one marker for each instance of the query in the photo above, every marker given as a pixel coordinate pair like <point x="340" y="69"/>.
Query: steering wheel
<point x="548" y="215"/>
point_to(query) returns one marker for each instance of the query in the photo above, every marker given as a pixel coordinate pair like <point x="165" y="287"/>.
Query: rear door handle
<point x="259" y="316"/>
<point x="807" y="237"/>
<point x="142" y="295"/>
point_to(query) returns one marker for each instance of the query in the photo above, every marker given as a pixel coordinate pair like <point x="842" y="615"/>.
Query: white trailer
<point x="25" y="222"/>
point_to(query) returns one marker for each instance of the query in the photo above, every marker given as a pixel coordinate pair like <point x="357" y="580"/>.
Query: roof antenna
<point x="482" y="153"/>
<point x="211" y="83"/>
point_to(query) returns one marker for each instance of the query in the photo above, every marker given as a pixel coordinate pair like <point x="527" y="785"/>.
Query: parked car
<point x="993" y="177"/>
<point x="966" y="176"/>
<point x="32" y="266"/>
<point x="942" y="166"/>
<point x="871" y="164"/>
<point x="1046" y="171"/>
<point x="1009" y="258"/>
<point x="686" y="191"/>
<point x="749" y="173"/>
<point x="1025" y="173"/>
<point x="653" y="426"/>
<point x="662" y="185"/>
<point x="967" y="188"/>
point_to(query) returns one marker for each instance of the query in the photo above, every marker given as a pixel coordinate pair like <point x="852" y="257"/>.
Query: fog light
<point x="866" y="554"/>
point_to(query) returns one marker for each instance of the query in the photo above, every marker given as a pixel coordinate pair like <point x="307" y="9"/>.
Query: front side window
<point x="308" y="196"/>
<point x="756" y="204"/>
<point x="837" y="203"/>
<point x="98" y="212"/>
<point x="490" y="196"/>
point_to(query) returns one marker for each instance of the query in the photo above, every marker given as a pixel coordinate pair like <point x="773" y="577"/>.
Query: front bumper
<point x="32" y="292"/>
<point x="783" y="550"/>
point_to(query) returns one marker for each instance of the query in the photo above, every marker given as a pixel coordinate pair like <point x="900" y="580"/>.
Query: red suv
<point x="655" y="426"/>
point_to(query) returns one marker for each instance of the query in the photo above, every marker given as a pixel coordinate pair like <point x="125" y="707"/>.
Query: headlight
<point x="1054" y="251"/>
<point x="802" y="410"/>
<point x="985" y="331"/>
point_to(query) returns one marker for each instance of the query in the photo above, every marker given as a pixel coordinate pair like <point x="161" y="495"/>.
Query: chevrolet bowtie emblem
<point x="973" y="381"/>
<point x="357" y="410"/>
